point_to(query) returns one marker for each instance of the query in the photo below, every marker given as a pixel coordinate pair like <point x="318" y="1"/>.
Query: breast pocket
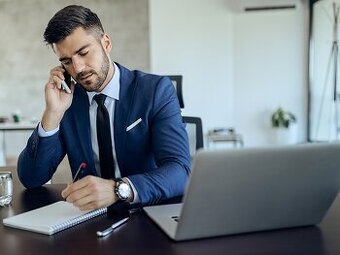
<point x="137" y="136"/>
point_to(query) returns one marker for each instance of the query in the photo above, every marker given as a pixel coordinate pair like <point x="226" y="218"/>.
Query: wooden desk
<point x="141" y="236"/>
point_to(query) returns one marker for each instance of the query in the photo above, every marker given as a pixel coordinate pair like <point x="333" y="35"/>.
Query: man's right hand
<point x="56" y="99"/>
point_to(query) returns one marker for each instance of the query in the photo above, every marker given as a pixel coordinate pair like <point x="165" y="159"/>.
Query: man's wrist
<point x="123" y="190"/>
<point x="132" y="195"/>
<point x="50" y="121"/>
<point x="43" y="133"/>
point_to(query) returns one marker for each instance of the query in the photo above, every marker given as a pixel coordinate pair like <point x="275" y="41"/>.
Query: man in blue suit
<point x="149" y="142"/>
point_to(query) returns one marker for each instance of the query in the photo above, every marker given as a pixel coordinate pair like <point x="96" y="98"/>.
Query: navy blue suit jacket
<point x="154" y="154"/>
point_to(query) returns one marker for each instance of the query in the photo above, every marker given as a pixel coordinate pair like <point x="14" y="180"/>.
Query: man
<point x="148" y="143"/>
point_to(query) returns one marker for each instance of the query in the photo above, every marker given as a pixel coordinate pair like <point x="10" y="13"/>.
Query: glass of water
<point x="6" y="188"/>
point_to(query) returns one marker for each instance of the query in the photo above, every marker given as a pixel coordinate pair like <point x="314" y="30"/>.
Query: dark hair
<point x="65" y="21"/>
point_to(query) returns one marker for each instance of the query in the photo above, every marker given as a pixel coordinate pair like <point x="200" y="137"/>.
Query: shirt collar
<point x="111" y="89"/>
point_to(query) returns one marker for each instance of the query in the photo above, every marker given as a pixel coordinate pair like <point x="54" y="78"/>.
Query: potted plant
<point x="282" y="118"/>
<point x="282" y="121"/>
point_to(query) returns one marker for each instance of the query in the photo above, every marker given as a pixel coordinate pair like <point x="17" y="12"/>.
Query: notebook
<point x="254" y="189"/>
<point x="52" y="218"/>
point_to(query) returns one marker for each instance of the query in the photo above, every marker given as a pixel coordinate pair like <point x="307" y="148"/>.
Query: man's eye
<point x="83" y="53"/>
<point x="66" y="62"/>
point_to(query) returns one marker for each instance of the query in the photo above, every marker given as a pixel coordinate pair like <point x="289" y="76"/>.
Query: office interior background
<point x="238" y="66"/>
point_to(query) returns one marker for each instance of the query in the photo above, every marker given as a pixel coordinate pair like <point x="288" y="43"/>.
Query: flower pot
<point x="285" y="136"/>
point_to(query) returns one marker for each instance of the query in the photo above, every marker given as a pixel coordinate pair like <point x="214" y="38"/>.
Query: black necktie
<point x="107" y="164"/>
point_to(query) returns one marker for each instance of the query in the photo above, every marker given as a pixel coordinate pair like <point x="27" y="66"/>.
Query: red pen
<point x="81" y="166"/>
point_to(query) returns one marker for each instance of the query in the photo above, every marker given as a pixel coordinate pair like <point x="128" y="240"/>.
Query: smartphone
<point x="66" y="84"/>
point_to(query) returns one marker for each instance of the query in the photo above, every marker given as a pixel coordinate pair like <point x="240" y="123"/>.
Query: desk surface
<point x="141" y="236"/>
<point x="10" y="126"/>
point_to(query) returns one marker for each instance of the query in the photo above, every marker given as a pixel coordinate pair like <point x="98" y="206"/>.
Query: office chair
<point x="193" y="124"/>
<point x="195" y="133"/>
<point x="177" y="82"/>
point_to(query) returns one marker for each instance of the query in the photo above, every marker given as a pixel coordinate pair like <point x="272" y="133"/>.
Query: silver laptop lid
<point x="245" y="190"/>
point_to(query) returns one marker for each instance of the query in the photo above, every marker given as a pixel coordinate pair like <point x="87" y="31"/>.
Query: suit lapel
<point x="82" y="121"/>
<point x="122" y="113"/>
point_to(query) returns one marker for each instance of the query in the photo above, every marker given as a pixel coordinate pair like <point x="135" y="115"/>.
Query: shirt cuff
<point x="135" y="193"/>
<point x="43" y="133"/>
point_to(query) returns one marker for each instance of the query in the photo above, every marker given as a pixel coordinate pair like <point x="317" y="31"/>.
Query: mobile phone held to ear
<point x="66" y="84"/>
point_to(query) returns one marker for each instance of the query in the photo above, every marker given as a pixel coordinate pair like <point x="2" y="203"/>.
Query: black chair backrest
<point x="198" y="130"/>
<point x="177" y="81"/>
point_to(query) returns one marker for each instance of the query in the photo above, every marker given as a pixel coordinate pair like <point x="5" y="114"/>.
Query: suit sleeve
<point x="169" y="142"/>
<point x="39" y="160"/>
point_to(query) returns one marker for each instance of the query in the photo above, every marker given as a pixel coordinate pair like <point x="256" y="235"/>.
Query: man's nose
<point x="78" y="65"/>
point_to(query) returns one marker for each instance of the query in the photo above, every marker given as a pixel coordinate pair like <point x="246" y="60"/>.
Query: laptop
<point x="254" y="189"/>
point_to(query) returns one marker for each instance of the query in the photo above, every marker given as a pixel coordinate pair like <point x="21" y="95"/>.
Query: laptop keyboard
<point x="175" y="218"/>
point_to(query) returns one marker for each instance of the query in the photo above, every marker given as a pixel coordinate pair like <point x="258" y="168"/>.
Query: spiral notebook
<point x="52" y="218"/>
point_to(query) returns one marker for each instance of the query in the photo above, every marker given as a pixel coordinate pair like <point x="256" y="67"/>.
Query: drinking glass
<point x="6" y="188"/>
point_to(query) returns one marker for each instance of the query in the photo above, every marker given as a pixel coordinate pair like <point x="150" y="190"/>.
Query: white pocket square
<point x="133" y="124"/>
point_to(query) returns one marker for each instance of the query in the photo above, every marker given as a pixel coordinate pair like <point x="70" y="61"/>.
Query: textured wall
<point x="25" y="60"/>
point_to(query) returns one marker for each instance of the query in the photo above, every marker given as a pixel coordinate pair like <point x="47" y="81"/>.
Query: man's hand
<point x="90" y="192"/>
<point x="57" y="100"/>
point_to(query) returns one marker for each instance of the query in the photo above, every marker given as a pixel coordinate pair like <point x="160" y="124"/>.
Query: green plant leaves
<point x="282" y="118"/>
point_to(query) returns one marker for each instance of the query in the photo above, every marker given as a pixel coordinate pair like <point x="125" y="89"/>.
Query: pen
<point x="82" y="166"/>
<point x="111" y="228"/>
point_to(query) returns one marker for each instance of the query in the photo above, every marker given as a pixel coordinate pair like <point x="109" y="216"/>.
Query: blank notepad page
<point x="51" y="218"/>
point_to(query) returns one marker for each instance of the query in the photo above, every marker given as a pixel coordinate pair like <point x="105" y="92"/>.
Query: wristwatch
<point x="122" y="189"/>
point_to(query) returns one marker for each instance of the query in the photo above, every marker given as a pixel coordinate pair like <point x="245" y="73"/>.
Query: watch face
<point x="123" y="190"/>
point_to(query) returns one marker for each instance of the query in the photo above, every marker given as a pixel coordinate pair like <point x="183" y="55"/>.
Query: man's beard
<point x="101" y="75"/>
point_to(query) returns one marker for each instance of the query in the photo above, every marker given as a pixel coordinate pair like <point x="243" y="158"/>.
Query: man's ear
<point x="106" y="43"/>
